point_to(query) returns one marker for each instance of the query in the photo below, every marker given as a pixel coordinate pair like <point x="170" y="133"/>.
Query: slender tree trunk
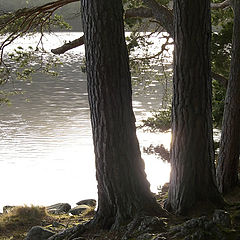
<point x="192" y="177"/>
<point x="123" y="190"/>
<point x="227" y="169"/>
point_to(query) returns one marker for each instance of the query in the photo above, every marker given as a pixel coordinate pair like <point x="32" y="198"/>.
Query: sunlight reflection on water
<point x="46" y="150"/>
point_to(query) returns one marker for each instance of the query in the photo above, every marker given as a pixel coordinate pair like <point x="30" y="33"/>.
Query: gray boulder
<point x="78" y="210"/>
<point x="59" y="208"/>
<point x="39" y="233"/>
<point x="89" y="202"/>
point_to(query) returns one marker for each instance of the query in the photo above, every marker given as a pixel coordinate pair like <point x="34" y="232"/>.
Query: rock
<point x="59" y="208"/>
<point x="222" y="217"/>
<point x="89" y="202"/>
<point x="79" y="209"/>
<point x="39" y="233"/>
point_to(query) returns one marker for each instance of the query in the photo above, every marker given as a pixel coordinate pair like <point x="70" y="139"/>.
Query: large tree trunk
<point x="227" y="169"/>
<point x="123" y="190"/>
<point x="192" y="177"/>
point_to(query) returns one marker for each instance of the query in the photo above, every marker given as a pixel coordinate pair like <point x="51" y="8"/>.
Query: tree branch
<point x="224" y="4"/>
<point x="29" y="19"/>
<point x="140" y="12"/>
<point x="162" y="14"/>
<point x="154" y="10"/>
<point x="36" y="16"/>
<point x="222" y="80"/>
<point x="70" y="45"/>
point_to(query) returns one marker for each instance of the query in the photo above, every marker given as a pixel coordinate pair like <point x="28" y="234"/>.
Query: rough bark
<point x="192" y="177"/>
<point x="227" y="169"/>
<point x="123" y="190"/>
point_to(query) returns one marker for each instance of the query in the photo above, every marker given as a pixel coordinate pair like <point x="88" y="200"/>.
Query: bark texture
<point x="192" y="177"/>
<point x="227" y="169"/>
<point x="123" y="190"/>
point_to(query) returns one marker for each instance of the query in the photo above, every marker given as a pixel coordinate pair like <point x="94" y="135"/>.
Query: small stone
<point x="88" y="202"/>
<point x="79" y="209"/>
<point x="222" y="217"/>
<point x="39" y="233"/>
<point x="59" y="208"/>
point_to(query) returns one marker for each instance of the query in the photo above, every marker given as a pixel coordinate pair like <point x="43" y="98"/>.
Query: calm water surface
<point x="46" y="149"/>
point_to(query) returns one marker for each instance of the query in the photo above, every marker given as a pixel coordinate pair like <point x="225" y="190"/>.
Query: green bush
<point x="159" y="121"/>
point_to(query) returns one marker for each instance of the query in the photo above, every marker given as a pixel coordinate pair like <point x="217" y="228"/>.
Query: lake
<point x="46" y="148"/>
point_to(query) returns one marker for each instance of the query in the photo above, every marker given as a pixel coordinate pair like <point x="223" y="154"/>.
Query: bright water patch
<point x="46" y="150"/>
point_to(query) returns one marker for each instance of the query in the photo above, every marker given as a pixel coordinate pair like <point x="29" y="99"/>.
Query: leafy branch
<point x="27" y="20"/>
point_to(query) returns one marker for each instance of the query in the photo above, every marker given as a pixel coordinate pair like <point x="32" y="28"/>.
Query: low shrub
<point x="159" y="121"/>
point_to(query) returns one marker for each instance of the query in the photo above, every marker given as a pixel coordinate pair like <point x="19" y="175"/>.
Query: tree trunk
<point x="123" y="190"/>
<point x="227" y="169"/>
<point x="192" y="177"/>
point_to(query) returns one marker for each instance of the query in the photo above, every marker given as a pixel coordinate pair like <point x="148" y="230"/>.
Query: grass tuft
<point x="23" y="217"/>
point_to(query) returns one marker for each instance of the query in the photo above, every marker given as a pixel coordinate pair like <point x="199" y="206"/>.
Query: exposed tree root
<point x="139" y="225"/>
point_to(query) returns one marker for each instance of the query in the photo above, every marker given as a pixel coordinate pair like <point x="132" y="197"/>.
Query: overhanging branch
<point x="219" y="78"/>
<point x="222" y="5"/>
<point x="141" y="12"/>
<point x="37" y="16"/>
<point x="70" y="45"/>
<point x="162" y="14"/>
<point x="28" y="19"/>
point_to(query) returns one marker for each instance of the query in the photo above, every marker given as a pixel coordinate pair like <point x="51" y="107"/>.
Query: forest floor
<point x="15" y="224"/>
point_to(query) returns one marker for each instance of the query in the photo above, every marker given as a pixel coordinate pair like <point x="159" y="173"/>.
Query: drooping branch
<point x="28" y="19"/>
<point x="38" y="16"/>
<point x="162" y="14"/>
<point x="141" y="12"/>
<point x="222" y="80"/>
<point x="222" y="5"/>
<point x="153" y="10"/>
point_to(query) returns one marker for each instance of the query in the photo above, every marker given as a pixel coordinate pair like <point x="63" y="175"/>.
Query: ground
<point x="15" y="224"/>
